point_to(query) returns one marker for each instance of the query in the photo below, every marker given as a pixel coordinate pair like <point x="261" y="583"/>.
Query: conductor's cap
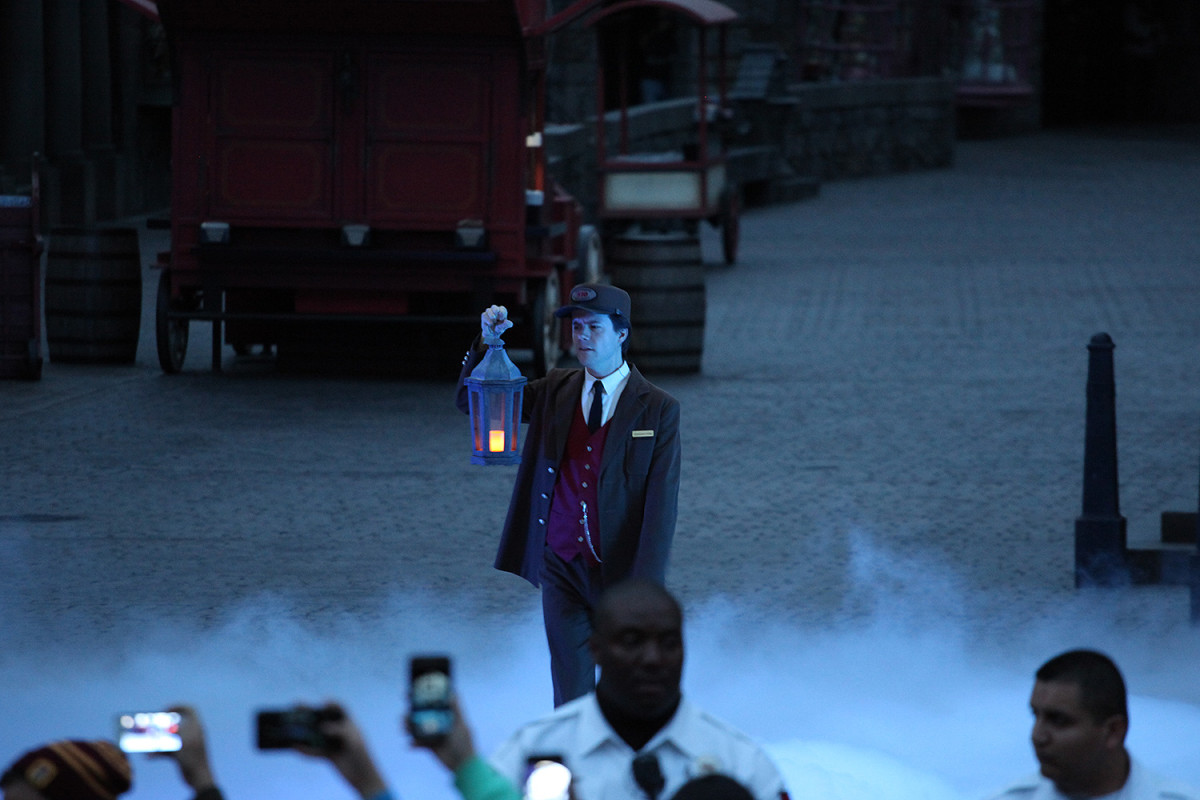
<point x="598" y="298"/>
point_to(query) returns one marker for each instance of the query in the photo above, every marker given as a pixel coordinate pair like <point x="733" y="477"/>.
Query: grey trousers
<point x="570" y="590"/>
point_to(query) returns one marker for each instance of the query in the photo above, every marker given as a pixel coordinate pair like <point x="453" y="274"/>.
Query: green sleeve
<point x="479" y="780"/>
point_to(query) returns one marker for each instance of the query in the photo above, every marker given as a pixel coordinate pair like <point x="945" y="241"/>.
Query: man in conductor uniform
<point x="596" y="493"/>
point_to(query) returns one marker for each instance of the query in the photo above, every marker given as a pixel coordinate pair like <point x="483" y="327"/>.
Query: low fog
<point x="919" y="697"/>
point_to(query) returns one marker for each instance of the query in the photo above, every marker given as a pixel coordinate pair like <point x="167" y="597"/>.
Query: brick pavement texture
<point x="889" y="420"/>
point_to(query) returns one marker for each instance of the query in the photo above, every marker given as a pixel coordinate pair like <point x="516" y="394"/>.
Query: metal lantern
<point x="495" y="389"/>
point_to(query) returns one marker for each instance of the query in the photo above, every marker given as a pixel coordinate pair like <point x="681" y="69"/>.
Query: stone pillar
<point x="96" y="110"/>
<point x="66" y="181"/>
<point x="96" y="78"/>
<point x="127" y="83"/>
<point x="64" y="91"/>
<point x="21" y="81"/>
<point x="1100" y="531"/>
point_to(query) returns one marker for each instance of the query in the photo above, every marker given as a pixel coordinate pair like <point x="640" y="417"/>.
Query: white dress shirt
<point x="614" y="384"/>
<point x="1142" y="784"/>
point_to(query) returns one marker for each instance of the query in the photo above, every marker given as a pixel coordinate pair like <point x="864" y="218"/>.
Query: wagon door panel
<point x="273" y="150"/>
<point x="428" y="124"/>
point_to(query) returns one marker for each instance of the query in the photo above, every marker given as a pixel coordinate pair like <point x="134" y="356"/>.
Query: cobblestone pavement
<point x="891" y="411"/>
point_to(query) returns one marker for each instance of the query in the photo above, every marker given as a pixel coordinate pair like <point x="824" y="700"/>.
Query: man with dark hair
<point x="1080" y="720"/>
<point x="595" y="497"/>
<point x="1101" y="687"/>
<point x="636" y="737"/>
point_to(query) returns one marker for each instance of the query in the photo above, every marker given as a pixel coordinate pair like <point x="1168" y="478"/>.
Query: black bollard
<point x="1194" y="570"/>
<point x="1194" y="588"/>
<point x="1100" y="529"/>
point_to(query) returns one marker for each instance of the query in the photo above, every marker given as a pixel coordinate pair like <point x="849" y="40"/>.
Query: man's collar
<point x="594" y="730"/>
<point x="610" y="380"/>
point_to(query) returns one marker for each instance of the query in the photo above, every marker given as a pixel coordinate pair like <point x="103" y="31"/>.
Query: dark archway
<point x="1121" y="61"/>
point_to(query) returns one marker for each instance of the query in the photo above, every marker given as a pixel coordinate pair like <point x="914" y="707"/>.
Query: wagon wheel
<point x="546" y="327"/>
<point x="171" y="334"/>
<point x="731" y="211"/>
<point x="589" y="256"/>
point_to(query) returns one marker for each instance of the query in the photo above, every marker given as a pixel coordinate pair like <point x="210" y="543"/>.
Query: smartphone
<point x="546" y="778"/>
<point x="149" y="732"/>
<point x="430" y="715"/>
<point x="296" y="727"/>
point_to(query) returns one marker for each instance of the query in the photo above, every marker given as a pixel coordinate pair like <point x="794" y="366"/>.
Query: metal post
<point x="1100" y="529"/>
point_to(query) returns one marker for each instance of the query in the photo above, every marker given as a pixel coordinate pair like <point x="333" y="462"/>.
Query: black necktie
<point x="596" y="413"/>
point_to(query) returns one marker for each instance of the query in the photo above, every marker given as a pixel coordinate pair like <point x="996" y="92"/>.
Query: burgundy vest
<point x="578" y="476"/>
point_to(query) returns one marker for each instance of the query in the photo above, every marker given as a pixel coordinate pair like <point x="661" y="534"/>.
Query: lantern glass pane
<point x="475" y="398"/>
<point x="497" y="422"/>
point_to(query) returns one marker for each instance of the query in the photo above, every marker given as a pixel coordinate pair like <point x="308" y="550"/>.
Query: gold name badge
<point x="642" y="434"/>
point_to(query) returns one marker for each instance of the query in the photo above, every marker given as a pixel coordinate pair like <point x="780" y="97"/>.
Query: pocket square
<point x="643" y="434"/>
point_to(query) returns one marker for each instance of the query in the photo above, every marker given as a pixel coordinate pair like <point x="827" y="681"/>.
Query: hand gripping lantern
<point x="495" y="390"/>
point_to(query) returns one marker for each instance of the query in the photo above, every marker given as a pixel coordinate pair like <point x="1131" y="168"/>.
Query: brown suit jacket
<point x="638" y="489"/>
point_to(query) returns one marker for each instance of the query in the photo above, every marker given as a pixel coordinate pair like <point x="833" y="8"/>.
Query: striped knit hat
<point x="73" y="770"/>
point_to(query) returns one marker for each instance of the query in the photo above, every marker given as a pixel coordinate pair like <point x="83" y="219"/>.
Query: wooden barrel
<point x="93" y="295"/>
<point x="664" y="275"/>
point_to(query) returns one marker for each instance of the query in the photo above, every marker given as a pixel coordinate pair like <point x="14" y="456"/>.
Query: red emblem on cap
<point x="581" y="294"/>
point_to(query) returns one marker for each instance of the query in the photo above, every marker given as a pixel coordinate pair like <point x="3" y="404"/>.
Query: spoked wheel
<point x="589" y="256"/>
<point x="547" y="347"/>
<point x="171" y="334"/>
<point x="731" y="212"/>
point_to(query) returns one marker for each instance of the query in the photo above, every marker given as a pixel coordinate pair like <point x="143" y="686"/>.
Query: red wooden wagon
<point x="362" y="160"/>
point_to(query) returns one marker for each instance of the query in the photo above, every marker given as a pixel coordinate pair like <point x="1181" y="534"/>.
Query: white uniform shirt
<point x="601" y="763"/>
<point x="1142" y="784"/>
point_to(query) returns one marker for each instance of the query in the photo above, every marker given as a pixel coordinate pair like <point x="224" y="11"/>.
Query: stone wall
<point x="849" y="130"/>
<point x="77" y="89"/>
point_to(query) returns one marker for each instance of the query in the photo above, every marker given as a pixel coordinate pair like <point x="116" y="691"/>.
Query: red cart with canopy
<point x="685" y="185"/>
